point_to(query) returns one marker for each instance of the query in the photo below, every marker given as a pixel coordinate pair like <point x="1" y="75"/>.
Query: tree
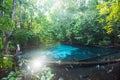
<point x="7" y="22"/>
<point x="110" y="18"/>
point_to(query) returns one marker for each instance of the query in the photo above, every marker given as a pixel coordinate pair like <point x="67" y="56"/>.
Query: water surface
<point x="69" y="53"/>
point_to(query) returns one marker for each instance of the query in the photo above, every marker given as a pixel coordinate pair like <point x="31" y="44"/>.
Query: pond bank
<point x="106" y="72"/>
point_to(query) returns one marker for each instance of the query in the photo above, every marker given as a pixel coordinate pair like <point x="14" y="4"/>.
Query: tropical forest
<point x="59" y="39"/>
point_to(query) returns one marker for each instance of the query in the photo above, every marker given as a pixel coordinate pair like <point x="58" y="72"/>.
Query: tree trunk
<point x="21" y="15"/>
<point x="3" y="10"/>
<point x="5" y="35"/>
<point x="5" y="44"/>
<point x="13" y="10"/>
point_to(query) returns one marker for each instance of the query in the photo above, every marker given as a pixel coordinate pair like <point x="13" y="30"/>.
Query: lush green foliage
<point x="41" y="74"/>
<point x="12" y="76"/>
<point x="66" y="21"/>
<point x="110" y="18"/>
<point x="6" y="62"/>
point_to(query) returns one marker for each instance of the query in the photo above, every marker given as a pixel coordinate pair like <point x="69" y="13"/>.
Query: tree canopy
<point x="88" y="22"/>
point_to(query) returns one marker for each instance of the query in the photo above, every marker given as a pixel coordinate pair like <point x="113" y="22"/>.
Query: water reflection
<point x="69" y="53"/>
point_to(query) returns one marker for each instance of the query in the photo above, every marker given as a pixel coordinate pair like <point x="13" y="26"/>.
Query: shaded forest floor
<point x="98" y="72"/>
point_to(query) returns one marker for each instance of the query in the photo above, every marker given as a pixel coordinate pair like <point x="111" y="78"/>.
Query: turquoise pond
<point x="72" y="53"/>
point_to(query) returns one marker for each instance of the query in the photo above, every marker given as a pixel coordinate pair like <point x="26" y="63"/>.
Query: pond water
<point x="70" y="53"/>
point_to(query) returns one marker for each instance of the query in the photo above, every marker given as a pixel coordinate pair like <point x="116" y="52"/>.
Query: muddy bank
<point x="103" y="72"/>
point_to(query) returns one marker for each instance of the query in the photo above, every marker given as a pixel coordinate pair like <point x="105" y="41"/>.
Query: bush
<point x="104" y="42"/>
<point x="12" y="76"/>
<point x="6" y="62"/>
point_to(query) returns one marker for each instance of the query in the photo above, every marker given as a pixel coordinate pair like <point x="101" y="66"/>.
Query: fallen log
<point x="80" y="64"/>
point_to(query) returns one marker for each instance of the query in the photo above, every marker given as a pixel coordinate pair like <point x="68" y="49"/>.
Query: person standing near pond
<point x="17" y="56"/>
<point x="18" y="52"/>
<point x="18" y="48"/>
